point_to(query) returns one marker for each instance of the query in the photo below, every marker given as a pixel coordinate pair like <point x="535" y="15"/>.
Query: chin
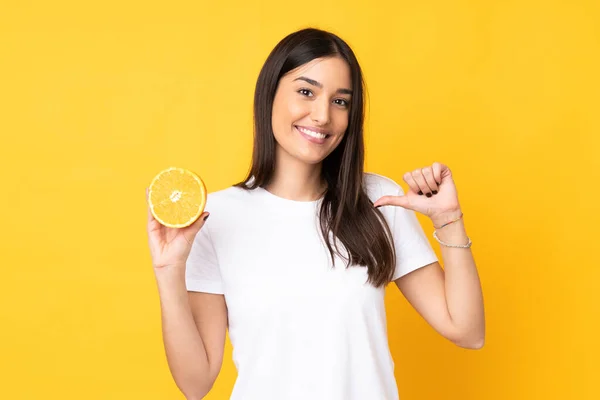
<point x="314" y="160"/>
<point x="310" y="157"/>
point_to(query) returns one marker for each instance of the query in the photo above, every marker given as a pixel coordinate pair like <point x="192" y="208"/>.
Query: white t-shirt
<point x="299" y="328"/>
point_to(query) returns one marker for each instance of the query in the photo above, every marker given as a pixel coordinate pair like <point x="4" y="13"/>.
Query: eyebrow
<point x="320" y="85"/>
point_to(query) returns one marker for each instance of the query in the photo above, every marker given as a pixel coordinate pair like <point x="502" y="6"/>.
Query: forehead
<point x="332" y="72"/>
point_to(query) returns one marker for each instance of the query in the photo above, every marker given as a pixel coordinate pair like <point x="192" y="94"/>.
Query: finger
<point x="436" y="167"/>
<point x="411" y="183"/>
<point x="150" y="216"/>
<point x="417" y="175"/>
<point x="191" y="231"/>
<point x="429" y="179"/>
<point x="401" y="201"/>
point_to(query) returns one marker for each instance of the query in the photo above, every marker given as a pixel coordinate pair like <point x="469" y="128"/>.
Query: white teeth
<point x="313" y="134"/>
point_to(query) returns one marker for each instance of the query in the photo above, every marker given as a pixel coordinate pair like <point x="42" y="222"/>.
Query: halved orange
<point x="176" y="197"/>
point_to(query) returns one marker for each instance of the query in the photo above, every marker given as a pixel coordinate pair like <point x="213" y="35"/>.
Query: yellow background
<point x="97" y="98"/>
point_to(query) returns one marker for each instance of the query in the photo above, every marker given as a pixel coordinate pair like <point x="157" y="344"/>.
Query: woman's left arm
<point x="449" y="299"/>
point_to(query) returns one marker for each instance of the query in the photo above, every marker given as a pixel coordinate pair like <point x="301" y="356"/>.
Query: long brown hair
<point x="346" y="210"/>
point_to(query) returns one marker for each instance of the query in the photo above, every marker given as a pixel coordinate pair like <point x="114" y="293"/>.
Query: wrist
<point x="446" y="217"/>
<point x="172" y="286"/>
<point x="170" y="272"/>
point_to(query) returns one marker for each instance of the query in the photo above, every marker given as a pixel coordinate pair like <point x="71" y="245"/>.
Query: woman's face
<point x="311" y="109"/>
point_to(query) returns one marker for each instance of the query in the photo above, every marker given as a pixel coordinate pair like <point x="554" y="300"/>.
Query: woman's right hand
<point x="170" y="247"/>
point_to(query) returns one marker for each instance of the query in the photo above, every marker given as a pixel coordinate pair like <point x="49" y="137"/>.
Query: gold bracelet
<point x="448" y="223"/>
<point x="460" y="246"/>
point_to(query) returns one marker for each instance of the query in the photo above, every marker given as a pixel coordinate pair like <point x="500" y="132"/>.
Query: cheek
<point x="338" y="140"/>
<point x="340" y="122"/>
<point x="295" y="111"/>
<point x="286" y="112"/>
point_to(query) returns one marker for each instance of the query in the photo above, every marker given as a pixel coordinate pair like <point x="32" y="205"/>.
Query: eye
<point x="305" y="92"/>
<point x="342" y="102"/>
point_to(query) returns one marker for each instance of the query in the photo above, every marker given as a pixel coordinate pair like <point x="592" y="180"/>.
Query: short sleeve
<point x="202" y="272"/>
<point x="413" y="250"/>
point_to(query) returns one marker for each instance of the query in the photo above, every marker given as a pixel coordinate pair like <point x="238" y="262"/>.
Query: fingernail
<point x="205" y="218"/>
<point x="434" y="192"/>
<point x="420" y="193"/>
<point x="428" y="194"/>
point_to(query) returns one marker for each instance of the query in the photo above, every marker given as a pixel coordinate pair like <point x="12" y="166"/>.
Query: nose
<point x="320" y="112"/>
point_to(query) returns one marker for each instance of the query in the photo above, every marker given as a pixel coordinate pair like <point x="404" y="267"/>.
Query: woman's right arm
<point x="193" y="323"/>
<point x="193" y="327"/>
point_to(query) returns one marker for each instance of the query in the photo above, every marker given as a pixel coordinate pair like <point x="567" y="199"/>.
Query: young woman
<point x="294" y="260"/>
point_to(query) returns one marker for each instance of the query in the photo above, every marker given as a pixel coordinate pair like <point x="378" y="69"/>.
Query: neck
<point x="295" y="180"/>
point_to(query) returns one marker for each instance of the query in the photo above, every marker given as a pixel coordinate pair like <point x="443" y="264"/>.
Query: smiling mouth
<point x="313" y="134"/>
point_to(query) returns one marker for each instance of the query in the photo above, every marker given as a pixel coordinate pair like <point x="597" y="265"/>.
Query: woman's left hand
<point x="432" y="193"/>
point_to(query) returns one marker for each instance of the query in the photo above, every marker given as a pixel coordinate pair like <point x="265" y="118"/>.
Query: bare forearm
<point x="186" y="354"/>
<point x="463" y="289"/>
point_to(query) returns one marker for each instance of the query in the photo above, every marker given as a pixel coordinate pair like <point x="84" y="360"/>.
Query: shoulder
<point x="226" y="198"/>
<point x="227" y="207"/>
<point x="377" y="185"/>
<point x="235" y="200"/>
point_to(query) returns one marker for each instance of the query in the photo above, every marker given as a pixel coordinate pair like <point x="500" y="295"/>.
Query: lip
<point x="310" y="138"/>
<point x="314" y="129"/>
